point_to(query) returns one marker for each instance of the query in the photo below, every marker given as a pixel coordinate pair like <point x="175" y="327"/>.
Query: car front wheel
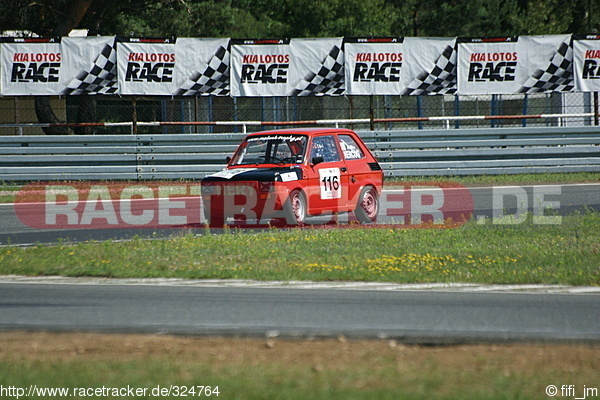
<point x="367" y="206"/>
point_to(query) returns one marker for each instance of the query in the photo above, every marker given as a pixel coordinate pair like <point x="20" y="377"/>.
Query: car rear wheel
<point x="367" y="206"/>
<point x="295" y="208"/>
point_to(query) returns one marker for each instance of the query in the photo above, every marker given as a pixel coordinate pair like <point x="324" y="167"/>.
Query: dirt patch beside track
<point x="333" y="365"/>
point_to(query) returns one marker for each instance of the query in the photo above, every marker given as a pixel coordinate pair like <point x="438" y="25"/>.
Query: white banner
<point x="429" y="67"/>
<point x="373" y="65"/>
<point x="317" y="67"/>
<point x="405" y="66"/>
<point x="526" y="64"/>
<point x="146" y="66"/>
<point x="31" y="66"/>
<point x="61" y="66"/>
<point x="300" y="67"/>
<point x="260" y="67"/>
<point x="202" y="67"/>
<point x="586" y="60"/>
<point x="90" y="65"/>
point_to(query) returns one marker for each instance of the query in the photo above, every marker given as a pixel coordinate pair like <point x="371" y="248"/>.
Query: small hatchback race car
<point x="290" y="174"/>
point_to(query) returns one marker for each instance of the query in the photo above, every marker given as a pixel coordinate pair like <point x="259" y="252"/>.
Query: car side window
<point x="324" y="146"/>
<point x="350" y="148"/>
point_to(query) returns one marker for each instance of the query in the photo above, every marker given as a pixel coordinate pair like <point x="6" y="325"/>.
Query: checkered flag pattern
<point x="100" y="79"/>
<point x="328" y="81"/>
<point x="441" y="80"/>
<point x="214" y="80"/>
<point x="558" y="77"/>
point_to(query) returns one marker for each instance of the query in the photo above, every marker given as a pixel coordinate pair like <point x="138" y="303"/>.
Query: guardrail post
<point x="596" y="115"/>
<point x="210" y="114"/>
<point x="456" y="111"/>
<point x="19" y="129"/>
<point x="494" y="111"/>
<point x="525" y="108"/>
<point x="420" y="110"/>
<point x="371" y="113"/>
<point x="235" y="113"/>
<point x="134" y="117"/>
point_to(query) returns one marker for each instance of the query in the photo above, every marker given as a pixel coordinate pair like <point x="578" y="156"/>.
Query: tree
<point x="322" y="18"/>
<point x="494" y="17"/>
<point x="457" y="18"/>
<point x="561" y="16"/>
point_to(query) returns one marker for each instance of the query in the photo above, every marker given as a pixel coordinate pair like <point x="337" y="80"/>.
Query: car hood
<point x="276" y="174"/>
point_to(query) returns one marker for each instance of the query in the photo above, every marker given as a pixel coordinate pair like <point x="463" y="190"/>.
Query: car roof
<point x="300" y="131"/>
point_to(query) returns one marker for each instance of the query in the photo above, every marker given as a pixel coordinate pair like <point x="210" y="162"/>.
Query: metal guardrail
<point x="400" y="153"/>
<point x="120" y="157"/>
<point x="487" y="151"/>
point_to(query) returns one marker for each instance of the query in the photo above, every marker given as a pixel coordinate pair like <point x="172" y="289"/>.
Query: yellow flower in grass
<point x="317" y="267"/>
<point x="410" y="263"/>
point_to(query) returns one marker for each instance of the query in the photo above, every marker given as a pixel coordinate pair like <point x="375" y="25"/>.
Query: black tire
<point x="367" y="206"/>
<point x="295" y="207"/>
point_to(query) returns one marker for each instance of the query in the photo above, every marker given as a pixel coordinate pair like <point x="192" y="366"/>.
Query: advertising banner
<point x="31" y="66"/>
<point x="260" y="67"/>
<point x="430" y="66"/>
<point x="373" y="65"/>
<point x="586" y="60"/>
<point x="526" y="64"/>
<point x="146" y="66"/>
<point x="317" y="67"/>
<point x="298" y="67"/>
<point x="90" y="65"/>
<point x="551" y="60"/>
<point x="202" y="67"/>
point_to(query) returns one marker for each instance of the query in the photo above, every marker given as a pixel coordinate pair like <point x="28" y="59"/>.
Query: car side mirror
<point x="227" y="159"/>
<point x="317" y="160"/>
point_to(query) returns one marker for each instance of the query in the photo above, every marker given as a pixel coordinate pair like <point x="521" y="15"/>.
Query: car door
<point x="328" y="176"/>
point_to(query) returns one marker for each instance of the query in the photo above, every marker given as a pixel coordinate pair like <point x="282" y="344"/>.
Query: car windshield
<point x="271" y="149"/>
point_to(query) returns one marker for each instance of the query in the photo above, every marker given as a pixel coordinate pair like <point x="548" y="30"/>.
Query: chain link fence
<point x="105" y="109"/>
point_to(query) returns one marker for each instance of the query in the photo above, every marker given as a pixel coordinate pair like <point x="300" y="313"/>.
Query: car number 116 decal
<point x="331" y="186"/>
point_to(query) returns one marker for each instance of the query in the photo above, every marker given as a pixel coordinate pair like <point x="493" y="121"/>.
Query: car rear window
<point x="350" y="148"/>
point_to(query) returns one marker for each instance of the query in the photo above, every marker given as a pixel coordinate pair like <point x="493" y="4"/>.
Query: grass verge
<point x="525" y="253"/>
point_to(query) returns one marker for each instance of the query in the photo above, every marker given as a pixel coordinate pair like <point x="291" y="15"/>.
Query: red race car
<point x="287" y="175"/>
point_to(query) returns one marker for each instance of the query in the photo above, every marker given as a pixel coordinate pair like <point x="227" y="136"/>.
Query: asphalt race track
<point x="414" y="316"/>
